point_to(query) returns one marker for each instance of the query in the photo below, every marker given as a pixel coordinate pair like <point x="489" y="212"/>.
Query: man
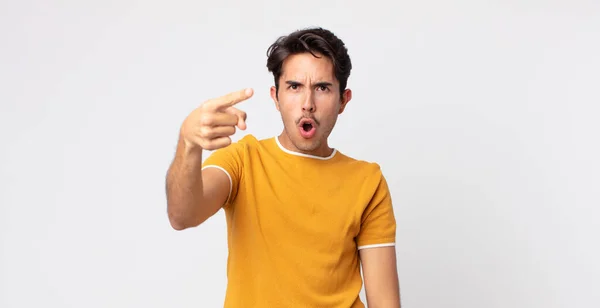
<point x="301" y="216"/>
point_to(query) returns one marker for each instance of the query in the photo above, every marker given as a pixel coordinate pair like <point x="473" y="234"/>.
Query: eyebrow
<point x="318" y="84"/>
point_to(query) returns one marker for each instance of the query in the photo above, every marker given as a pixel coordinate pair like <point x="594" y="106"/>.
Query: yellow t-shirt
<point x="295" y="223"/>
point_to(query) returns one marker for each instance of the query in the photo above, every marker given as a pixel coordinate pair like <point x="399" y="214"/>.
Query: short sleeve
<point x="230" y="160"/>
<point x="378" y="222"/>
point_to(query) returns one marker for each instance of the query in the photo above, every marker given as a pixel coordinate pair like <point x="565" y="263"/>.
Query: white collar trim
<point x="302" y="154"/>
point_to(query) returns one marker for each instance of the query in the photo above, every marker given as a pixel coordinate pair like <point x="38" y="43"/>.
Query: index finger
<point x="232" y="98"/>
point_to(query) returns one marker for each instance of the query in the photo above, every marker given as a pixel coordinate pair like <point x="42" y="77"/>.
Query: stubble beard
<point x="303" y="145"/>
<point x="308" y="145"/>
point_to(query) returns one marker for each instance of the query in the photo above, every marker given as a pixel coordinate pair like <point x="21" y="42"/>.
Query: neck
<point x="322" y="148"/>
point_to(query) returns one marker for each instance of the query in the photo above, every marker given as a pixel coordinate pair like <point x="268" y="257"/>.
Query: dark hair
<point x="313" y="40"/>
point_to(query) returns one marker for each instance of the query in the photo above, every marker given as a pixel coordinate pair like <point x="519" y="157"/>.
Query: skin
<point x="194" y="195"/>
<point x="307" y="89"/>
<point x="380" y="275"/>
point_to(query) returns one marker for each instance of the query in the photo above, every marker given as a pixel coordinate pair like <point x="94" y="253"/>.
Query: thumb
<point x="241" y="124"/>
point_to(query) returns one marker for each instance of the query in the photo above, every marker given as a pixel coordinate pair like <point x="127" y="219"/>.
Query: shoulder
<point x="243" y="144"/>
<point x="242" y="149"/>
<point x="368" y="175"/>
<point x="361" y="167"/>
<point x="236" y="151"/>
<point x="250" y="141"/>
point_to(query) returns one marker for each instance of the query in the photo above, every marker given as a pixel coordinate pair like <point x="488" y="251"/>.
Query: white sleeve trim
<point x="228" y="176"/>
<point x="376" y="245"/>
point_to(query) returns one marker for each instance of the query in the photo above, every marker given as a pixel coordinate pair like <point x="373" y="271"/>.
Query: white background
<point x="482" y="114"/>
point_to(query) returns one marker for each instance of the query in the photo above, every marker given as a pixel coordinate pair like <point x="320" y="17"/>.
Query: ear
<point x="345" y="99"/>
<point x="274" y="97"/>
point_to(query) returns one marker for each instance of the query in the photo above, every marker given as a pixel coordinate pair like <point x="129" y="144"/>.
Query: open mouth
<point x="307" y="126"/>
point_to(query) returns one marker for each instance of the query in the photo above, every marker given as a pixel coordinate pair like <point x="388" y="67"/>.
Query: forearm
<point x="388" y="297"/>
<point x="380" y="273"/>
<point x="384" y="303"/>
<point x="184" y="187"/>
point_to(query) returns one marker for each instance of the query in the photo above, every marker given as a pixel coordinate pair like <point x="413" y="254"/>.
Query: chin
<point x="306" y="145"/>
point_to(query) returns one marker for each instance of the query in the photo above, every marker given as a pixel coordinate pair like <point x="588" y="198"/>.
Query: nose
<point x="308" y="105"/>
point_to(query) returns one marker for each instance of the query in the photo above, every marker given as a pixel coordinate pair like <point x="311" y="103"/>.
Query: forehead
<point x="306" y="66"/>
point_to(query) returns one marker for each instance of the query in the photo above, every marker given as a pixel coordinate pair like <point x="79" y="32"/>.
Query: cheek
<point x="288" y="103"/>
<point x="327" y="106"/>
<point x="288" y="111"/>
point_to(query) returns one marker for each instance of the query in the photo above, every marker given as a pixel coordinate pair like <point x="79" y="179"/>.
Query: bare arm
<point x="381" y="277"/>
<point x="193" y="194"/>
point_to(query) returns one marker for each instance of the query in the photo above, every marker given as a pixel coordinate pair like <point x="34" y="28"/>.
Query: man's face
<point x="309" y="101"/>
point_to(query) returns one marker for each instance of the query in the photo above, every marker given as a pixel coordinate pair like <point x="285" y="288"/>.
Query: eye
<point x="322" y="88"/>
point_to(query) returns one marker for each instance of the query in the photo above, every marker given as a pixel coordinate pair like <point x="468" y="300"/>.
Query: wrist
<point x="190" y="150"/>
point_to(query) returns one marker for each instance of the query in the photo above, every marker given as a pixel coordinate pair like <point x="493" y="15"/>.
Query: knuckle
<point x="210" y="145"/>
<point x="226" y="141"/>
<point x="204" y="132"/>
<point x="238" y="112"/>
<point x="202" y="143"/>
<point x="231" y="130"/>
<point x="206" y="119"/>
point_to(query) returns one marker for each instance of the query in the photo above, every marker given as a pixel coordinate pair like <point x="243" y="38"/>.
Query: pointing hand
<point x="211" y="124"/>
